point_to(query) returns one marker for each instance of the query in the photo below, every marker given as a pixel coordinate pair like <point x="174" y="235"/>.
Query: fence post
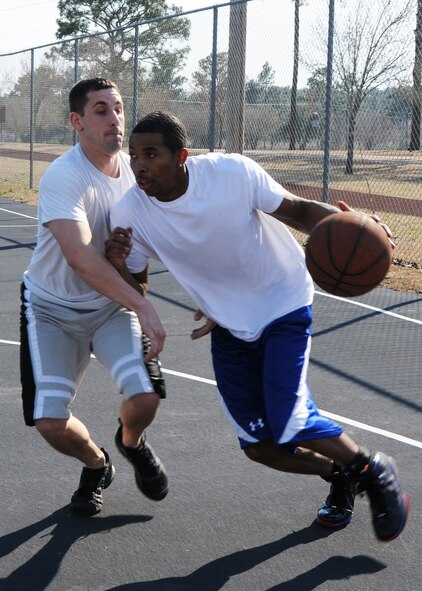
<point x="211" y="129"/>
<point x="236" y="78"/>
<point x="31" y="121"/>
<point x="328" y="97"/>
<point x="135" y="78"/>
<point x="75" y="78"/>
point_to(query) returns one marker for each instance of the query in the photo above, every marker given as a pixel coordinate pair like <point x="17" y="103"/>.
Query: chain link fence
<point x="270" y="78"/>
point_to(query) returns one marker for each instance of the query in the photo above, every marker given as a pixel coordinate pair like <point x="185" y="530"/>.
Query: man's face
<point x="158" y="171"/>
<point x="102" y="125"/>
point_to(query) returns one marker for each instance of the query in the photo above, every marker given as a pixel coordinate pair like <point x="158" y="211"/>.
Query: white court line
<point x="368" y="307"/>
<point x="339" y="418"/>
<point x="188" y="376"/>
<point x="20" y="226"/>
<point x="372" y="429"/>
<point x="330" y="415"/>
<point x="31" y="217"/>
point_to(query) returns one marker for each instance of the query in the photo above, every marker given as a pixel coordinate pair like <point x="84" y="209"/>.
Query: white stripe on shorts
<point x="300" y="413"/>
<point x="130" y="358"/>
<point x="40" y="400"/>
<point x="146" y="385"/>
<point x="240" y="432"/>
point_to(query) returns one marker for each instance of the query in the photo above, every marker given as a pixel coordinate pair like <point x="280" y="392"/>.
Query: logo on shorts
<point x="254" y="426"/>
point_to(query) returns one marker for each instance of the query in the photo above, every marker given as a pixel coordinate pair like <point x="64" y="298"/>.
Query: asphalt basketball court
<point x="227" y="524"/>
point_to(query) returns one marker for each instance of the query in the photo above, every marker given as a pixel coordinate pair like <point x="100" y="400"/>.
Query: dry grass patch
<point x="403" y="278"/>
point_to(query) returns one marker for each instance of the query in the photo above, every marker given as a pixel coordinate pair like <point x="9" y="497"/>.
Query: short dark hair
<point x="171" y="128"/>
<point x="78" y="95"/>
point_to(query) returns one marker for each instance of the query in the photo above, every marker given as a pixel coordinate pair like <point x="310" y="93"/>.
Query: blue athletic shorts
<point x="263" y="383"/>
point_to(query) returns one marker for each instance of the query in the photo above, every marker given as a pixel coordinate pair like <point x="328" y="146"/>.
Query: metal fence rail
<point x="234" y="92"/>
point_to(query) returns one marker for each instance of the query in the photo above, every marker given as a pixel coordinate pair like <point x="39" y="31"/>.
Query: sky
<point x="30" y="23"/>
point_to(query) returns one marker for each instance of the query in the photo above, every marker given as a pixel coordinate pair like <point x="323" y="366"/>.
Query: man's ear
<point x="75" y="121"/>
<point x="181" y="156"/>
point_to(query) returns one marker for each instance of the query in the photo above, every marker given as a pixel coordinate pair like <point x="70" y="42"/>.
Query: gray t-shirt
<point x="73" y="189"/>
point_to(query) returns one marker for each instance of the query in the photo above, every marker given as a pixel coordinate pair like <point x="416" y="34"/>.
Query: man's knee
<point x="145" y="403"/>
<point x="50" y="428"/>
<point x="257" y="452"/>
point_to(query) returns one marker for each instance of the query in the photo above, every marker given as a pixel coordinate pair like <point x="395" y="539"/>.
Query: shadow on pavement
<point x="39" y="571"/>
<point x="215" y="574"/>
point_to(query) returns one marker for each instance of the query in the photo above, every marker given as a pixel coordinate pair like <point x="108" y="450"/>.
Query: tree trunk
<point x="236" y="78"/>
<point x="293" y="98"/>
<point x="351" y="139"/>
<point x="415" y="130"/>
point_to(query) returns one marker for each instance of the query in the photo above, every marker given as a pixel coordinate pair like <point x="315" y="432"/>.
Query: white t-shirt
<point x="73" y="189"/>
<point x="242" y="267"/>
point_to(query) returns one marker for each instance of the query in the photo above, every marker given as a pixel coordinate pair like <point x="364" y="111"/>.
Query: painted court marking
<point x="368" y="307"/>
<point x="31" y="217"/>
<point x="19" y="226"/>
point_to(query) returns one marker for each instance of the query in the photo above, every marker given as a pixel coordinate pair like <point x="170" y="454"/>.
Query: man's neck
<point x="108" y="164"/>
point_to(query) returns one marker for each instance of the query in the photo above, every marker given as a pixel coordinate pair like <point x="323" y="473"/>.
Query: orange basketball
<point x="348" y="254"/>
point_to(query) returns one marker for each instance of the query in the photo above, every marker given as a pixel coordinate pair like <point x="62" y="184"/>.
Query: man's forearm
<point x="99" y="274"/>
<point x="129" y="278"/>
